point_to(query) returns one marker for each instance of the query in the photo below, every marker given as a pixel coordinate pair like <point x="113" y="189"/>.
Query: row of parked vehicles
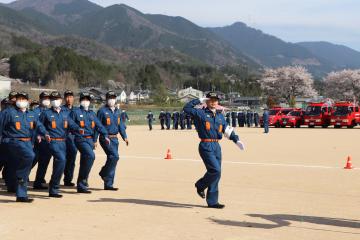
<point x="321" y="114"/>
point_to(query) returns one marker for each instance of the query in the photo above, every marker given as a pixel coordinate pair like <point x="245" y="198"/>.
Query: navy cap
<point x="212" y="95"/>
<point x="23" y="94"/>
<point x="12" y="94"/>
<point x="44" y="95"/>
<point x="55" y="95"/>
<point x="68" y="93"/>
<point x="110" y="94"/>
<point x="85" y="95"/>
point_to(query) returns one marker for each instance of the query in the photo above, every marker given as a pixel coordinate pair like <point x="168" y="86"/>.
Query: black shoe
<point x="40" y="187"/>
<point x="200" y="192"/>
<point x="55" y="195"/>
<point x="111" y="189"/>
<point x="69" y="184"/>
<point x="83" y="191"/>
<point x="217" y="206"/>
<point x="24" y="200"/>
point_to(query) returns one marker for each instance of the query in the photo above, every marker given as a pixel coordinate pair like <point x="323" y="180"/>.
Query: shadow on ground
<point x="284" y="220"/>
<point x="146" y="202"/>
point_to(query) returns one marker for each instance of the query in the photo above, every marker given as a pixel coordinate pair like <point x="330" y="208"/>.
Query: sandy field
<point x="287" y="185"/>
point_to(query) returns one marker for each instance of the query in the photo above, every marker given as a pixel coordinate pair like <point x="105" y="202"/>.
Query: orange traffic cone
<point x="348" y="163"/>
<point x="168" y="155"/>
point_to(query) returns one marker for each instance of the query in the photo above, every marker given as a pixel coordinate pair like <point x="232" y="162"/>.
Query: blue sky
<point x="336" y="21"/>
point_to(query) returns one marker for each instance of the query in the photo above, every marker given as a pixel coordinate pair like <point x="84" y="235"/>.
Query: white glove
<point x="240" y="145"/>
<point x="203" y="100"/>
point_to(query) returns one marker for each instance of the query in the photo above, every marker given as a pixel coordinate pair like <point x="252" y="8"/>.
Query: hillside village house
<point x="188" y="94"/>
<point x="122" y="97"/>
<point x="5" y="86"/>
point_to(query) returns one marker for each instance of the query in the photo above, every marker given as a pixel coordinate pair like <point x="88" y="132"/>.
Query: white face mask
<point x="85" y="104"/>
<point x="56" y="103"/>
<point x="111" y="102"/>
<point x="46" y="103"/>
<point x="22" y="104"/>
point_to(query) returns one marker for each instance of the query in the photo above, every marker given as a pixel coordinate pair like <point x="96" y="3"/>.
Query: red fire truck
<point x="318" y="114"/>
<point x="346" y="114"/>
<point x="275" y="116"/>
<point x="294" y="118"/>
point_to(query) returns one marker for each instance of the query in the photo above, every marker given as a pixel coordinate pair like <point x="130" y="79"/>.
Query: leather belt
<point x="88" y="137"/>
<point x="24" y="139"/>
<point x="209" y="140"/>
<point x="113" y="136"/>
<point x="58" y="139"/>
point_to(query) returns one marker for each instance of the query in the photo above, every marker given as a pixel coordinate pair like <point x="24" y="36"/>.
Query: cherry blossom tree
<point x="343" y="85"/>
<point x="287" y="83"/>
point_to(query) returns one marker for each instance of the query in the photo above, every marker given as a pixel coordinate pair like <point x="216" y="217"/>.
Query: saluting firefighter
<point x="110" y="117"/>
<point x="17" y="128"/>
<point x="57" y="125"/>
<point x="85" y="141"/>
<point x="211" y="127"/>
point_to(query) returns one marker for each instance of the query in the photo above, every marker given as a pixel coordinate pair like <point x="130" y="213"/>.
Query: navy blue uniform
<point x="71" y="151"/>
<point x="266" y="121"/>
<point x="175" y="118"/>
<point x="256" y="119"/>
<point x="112" y="121"/>
<point x="241" y="119"/>
<point x="228" y="118"/>
<point x="182" y="120"/>
<point x="17" y="129"/>
<point x="85" y="142"/>
<point x="168" y="120"/>
<point x="188" y="121"/>
<point x="162" y="120"/>
<point x="210" y="128"/>
<point x="233" y="118"/>
<point x="124" y="118"/>
<point x="57" y="126"/>
<point x="39" y="147"/>
<point x="150" y="119"/>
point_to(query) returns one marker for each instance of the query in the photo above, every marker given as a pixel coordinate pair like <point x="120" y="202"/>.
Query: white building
<point x="122" y="97"/>
<point x="5" y="86"/>
<point x="188" y="94"/>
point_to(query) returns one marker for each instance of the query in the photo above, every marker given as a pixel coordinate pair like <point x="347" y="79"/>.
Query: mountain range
<point x="120" y="33"/>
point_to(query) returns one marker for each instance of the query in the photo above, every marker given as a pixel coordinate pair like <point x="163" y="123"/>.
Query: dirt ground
<point x="289" y="184"/>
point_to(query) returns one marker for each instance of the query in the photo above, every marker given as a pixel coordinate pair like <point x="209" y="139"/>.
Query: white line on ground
<point x="239" y="162"/>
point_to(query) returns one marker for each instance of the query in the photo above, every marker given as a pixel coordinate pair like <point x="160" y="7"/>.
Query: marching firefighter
<point x="188" y="121"/>
<point x="266" y="120"/>
<point x="256" y="119"/>
<point x="182" y="120"/>
<point x="211" y="127"/>
<point x="71" y="150"/>
<point x="110" y="117"/>
<point x="167" y="120"/>
<point x="175" y="118"/>
<point x="17" y="127"/>
<point x="228" y="118"/>
<point x="150" y="118"/>
<point x="124" y="117"/>
<point x="233" y="118"/>
<point x="86" y="140"/>
<point x="162" y="119"/>
<point x="57" y="125"/>
<point x="241" y="119"/>
<point x="42" y="153"/>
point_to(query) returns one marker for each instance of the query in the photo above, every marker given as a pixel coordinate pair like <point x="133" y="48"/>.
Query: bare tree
<point x="343" y="85"/>
<point x="64" y="81"/>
